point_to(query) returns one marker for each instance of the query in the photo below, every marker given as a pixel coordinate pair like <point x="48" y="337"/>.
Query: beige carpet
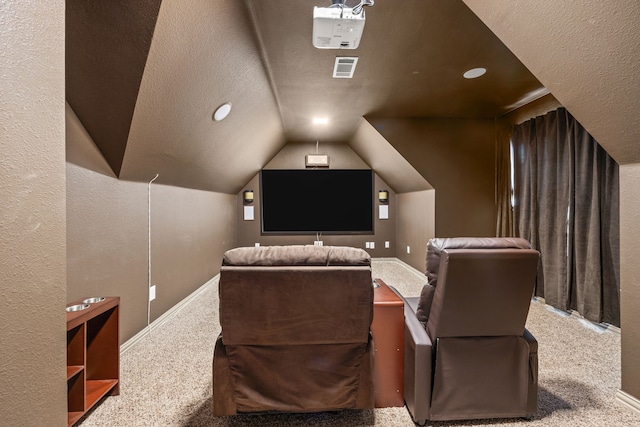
<point x="166" y="377"/>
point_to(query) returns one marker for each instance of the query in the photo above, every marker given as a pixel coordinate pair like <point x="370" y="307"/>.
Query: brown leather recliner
<point x="295" y="330"/>
<point x="467" y="352"/>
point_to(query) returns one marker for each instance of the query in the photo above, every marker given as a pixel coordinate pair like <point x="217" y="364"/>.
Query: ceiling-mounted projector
<point x="337" y="27"/>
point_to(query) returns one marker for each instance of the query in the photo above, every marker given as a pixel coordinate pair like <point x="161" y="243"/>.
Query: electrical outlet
<point x="387" y="245"/>
<point x="408" y="249"/>
<point x="367" y="245"/>
<point x="257" y="244"/>
<point x="152" y="293"/>
<point x="317" y="243"/>
<point x="372" y="245"/>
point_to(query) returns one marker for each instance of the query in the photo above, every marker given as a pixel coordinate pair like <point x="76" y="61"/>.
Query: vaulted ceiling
<point x="587" y="54"/>
<point x="145" y="77"/>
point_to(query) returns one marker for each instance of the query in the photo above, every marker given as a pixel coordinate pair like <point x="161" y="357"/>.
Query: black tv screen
<point x="310" y="201"/>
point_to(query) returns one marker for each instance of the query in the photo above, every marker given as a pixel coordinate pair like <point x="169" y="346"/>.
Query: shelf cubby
<point x="93" y="355"/>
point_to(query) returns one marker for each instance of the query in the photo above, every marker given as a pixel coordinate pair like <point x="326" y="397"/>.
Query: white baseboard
<point x="628" y="401"/>
<point x="597" y="327"/>
<point x="166" y="316"/>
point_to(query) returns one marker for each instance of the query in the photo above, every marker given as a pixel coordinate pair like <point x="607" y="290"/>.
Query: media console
<point x="388" y="338"/>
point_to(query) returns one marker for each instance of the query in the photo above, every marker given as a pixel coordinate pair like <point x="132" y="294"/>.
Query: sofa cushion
<point x="293" y="255"/>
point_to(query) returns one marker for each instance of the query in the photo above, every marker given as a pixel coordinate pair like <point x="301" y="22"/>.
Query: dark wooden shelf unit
<point x="93" y="355"/>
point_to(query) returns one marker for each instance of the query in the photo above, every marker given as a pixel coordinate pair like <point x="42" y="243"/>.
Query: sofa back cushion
<point x="434" y="253"/>
<point x="295" y="296"/>
<point x="303" y="255"/>
<point x="483" y="292"/>
<point x="436" y="246"/>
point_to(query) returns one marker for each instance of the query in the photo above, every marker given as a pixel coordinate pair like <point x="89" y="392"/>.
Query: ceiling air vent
<point x="344" y="67"/>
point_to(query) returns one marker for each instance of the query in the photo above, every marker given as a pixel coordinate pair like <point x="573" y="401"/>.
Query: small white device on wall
<point x="383" y="211"/>
<point x="248" y="213"/>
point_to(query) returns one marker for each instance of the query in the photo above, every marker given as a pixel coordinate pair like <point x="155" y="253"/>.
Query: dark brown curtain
<point x="504" y="226"/>
<point x="567" y="206"/>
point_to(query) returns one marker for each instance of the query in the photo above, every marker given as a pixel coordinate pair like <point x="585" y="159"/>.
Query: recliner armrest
<point x="417" y="364"/>
<point x="407" y="306"/>
<point x="532" y="396"/>
<point x="531" y="340"/>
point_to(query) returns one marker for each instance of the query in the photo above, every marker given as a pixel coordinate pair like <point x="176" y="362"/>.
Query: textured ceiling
<point x="144" y="79"/>
<point x="106" y="46"/>
<point x="203" y="55"/>
<point x="587" y="54"/>
<point x="411" y="60"/>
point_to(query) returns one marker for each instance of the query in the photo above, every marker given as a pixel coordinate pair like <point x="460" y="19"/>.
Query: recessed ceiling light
<point x="474" y="73"/>
<point x="320" y="120"/>
<point x="222" y="112"/>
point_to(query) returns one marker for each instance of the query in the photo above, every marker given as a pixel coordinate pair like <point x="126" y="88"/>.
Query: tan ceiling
<point x="587" y="54"/>
<point x="147" y="101"/>
<point x="106" y="46"/>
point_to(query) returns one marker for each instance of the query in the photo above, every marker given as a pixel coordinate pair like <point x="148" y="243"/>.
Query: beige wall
<point x="630" y="277"/>
<point x="190" y="231"/>
<point x="108" y="236"/>
<point x="415" y="226"/>
<point x="32" y="217"/>
<point x="340" y="157"/>
<point x="457" y="157"/>
<point x="292" y="156"/>
<point x="107" y="243"/>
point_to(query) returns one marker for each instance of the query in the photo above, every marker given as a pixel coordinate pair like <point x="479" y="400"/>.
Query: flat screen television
<point x="311" y="201"/>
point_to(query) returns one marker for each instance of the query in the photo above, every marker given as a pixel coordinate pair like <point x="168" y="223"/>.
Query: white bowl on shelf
<point x="93" y="300"/>
<point x="77" y="307"/>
